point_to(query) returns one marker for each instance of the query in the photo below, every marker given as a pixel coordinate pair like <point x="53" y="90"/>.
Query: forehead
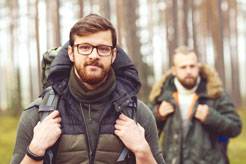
<point x="185" y="59"/>
<point x="102" y="37"/>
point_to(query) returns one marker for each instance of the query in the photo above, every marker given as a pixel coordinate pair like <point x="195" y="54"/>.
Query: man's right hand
<point x="46" y="133"/>
<point x="165" y="109"/>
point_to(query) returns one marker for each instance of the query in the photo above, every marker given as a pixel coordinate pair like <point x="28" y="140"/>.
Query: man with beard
<point x="194" y="115"/>
<point x="98" y="118"/>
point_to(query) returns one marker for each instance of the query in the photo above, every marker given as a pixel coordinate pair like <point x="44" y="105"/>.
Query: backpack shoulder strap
<point x="125" y="154"/>
<point x="34" y="104"/>
<point x="49" y="103"/>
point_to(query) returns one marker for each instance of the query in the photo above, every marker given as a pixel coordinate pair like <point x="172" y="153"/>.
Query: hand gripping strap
<point x="49" y="103"/>
<point x="125" y="154"/>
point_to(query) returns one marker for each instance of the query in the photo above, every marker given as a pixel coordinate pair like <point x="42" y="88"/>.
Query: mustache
<point x="93" y="63"/>
<point x="190" y="76"/>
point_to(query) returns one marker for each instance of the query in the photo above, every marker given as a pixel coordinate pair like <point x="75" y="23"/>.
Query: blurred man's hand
<point x="201" y="112"/>
<point x="165" y="109"/>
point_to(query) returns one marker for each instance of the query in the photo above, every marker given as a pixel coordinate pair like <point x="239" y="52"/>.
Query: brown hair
<point x="183" y="50"/>
<point x="90" y="24"/>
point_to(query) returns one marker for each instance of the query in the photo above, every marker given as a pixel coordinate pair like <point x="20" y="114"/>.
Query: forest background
<point x="148" y="30"/>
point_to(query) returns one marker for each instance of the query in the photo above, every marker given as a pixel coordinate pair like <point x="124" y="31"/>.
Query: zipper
<point x="104" y="112"/>
<point x="86" y="132"/>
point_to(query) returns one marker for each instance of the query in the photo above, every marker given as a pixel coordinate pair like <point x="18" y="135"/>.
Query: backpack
<point x="50" y="102"/>
<point x="47" y="59"/>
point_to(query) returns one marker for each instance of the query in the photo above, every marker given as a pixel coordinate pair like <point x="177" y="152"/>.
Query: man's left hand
<point x="201" y="112"/>
<point x="130" y="133"/>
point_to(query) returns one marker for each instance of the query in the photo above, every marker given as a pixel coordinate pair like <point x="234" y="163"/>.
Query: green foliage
<point x="7" y="137"/>
<point x="237" y="146"/>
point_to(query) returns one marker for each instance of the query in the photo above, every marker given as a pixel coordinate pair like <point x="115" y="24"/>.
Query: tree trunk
<point x="81" y="8"/>
<point x="105" y="8"/>
<point x="120" y="22"/>
<point x="53" y="23"/>
<point x="182" y="22"/>
<point x="56" y="22"/>
<point x="132" y="42"/>
<point x="30" y="72"/>
<point x="217" y="36"/>
<point x="236" y="95"/>
<point x="172" y="29"/>
<point x="194" y="36"/>
<point x="37" y="45"/>
<point x="15" y="85"/>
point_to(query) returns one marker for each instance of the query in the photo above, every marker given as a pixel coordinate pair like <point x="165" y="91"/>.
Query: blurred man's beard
<point x="90" y="77"/>
<point x="188" y="82"/>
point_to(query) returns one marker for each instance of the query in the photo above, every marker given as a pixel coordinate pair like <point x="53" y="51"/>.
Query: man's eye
<point x="84" y="47"/>
<point x="104" y="49"/>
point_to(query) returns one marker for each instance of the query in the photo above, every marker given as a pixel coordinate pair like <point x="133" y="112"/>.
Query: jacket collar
<point x="210" y="85"/>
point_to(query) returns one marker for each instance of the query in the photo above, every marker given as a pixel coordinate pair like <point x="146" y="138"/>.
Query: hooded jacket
<point x="76" y="143"/>
<point x="204" y="142"/>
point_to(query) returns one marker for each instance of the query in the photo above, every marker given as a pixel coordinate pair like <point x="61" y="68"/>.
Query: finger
<point x="52" y="115"/>
<point x="168" y="110"/>
<point x="118" y="127"/>
<point x="200" y="105"/>
<point x="140" y="127"/>
<point x="164" y="102"/>
<point x="117" y="132"/>
<point x="57" y="119"/>
<point x="167" y="104"/>
<point x="124" y="117"/>
<point x="170" y="107"/>
<point x="59" y="126"/>
<point x="196" y="115"/>
<point x="120" y="122"/>
<point x="38" y="124"/>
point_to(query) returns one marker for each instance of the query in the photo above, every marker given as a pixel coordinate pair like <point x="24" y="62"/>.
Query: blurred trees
<point x="149" y="30"/>
<point x="53" y="23"/>
<point x="210" y="27"/>
<point x="13" y="71"/>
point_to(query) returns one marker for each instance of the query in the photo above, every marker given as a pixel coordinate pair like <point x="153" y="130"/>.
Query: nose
<point x="94" y="53"/>
<point x="188" y="70"/>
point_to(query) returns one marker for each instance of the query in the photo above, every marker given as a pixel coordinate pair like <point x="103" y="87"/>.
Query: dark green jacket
<point x="204" y="143"/>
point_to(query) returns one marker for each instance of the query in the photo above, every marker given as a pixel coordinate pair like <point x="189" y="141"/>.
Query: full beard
<point x="89" y="76"/>
<point x="188" y="82"/>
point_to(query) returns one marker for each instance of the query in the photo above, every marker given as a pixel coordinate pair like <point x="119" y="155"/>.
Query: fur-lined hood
<point x="213" y="87"/>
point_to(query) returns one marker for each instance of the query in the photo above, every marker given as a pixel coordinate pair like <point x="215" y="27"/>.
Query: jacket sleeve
<point x="27" y="122"/>
<point x="147" y="121"/>
<point x="223" y="119"/>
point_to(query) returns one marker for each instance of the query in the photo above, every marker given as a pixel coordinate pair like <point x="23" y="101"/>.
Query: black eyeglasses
<point x="86" y="49"/>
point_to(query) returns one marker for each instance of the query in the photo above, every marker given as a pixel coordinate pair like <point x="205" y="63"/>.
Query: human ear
<point x="114" y="53"/>
<point x="70" y="53"/>
<point x="173" y="70"/>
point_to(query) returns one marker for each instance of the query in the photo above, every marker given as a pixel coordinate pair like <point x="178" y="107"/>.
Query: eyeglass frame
<point x="96" y="47"/>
